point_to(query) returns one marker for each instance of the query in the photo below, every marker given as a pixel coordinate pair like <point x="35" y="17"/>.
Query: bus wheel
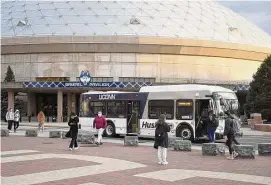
<point x="185" y="132"/>
<point x="110" y="130"/>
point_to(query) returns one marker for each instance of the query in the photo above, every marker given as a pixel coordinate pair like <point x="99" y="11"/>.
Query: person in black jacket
<point x="161" y="139"/>
<point x="73" y="123"/>
<point x="230" y="133"/>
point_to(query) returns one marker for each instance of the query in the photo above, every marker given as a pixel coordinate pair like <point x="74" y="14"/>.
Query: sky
<point x="258" y="12"/>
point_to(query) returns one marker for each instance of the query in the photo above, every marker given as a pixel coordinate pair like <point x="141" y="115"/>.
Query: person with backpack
<point x="212" y="124"/>
<point x="161" y="139"/>
<point x="230" y="131"/>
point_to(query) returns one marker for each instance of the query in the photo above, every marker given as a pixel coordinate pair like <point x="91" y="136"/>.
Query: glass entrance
<point x="132" y="117"/>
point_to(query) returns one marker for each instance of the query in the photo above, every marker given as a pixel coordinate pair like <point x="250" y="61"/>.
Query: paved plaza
<point x="45" y="161"/>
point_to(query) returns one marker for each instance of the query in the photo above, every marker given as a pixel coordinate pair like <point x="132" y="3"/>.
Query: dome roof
<point x="173" y="19"/>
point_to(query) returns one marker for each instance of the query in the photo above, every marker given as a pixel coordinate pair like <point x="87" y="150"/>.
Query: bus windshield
<point x="226" y="101"/>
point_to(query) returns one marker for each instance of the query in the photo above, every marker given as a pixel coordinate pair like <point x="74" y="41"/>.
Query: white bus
<point x="137" y="112"/>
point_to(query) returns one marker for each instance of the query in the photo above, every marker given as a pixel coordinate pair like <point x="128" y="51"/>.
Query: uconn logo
<point x="107" y="97"/>
<point x="85" y="77"/>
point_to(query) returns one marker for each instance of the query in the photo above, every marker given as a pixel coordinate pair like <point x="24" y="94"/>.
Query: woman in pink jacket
<point x="99" y="123"/>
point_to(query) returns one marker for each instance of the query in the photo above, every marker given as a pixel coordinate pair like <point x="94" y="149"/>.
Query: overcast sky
<point x="258" y="12"/>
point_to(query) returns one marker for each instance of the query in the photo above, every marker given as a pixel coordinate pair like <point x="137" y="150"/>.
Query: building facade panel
<point x="29" y="66"/>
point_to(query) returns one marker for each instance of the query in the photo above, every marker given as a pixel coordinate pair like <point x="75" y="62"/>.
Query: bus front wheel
<point x="110" y="130"/>
<point x="185" y="132"/>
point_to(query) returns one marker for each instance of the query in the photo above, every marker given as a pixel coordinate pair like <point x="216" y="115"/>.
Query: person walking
<point x="99" y="123"/>
<point x="212" y="124"/>
<point x="161" y="139"/>
<point x="10" y="118"/>
<point x="230" y="133"/>
<point x="41" y="119"/>
<point x="73" y="123"/>
<point x="16" y="119"/>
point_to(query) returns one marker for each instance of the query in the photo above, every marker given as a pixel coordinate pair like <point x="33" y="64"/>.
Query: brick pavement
<point x="143" y="155"/>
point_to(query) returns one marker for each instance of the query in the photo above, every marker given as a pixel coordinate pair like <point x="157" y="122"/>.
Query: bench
<point x="264" y="149"/>
<point x="131" y="141"/>
<point x="245" y="151"/>
<point x="55" y="134"/>
<point x="63" y="134"/>
<point x="182" y="145"/>
<point x="4" y="132"/>
<point x="31" y="133"/>
<point x="213" y="149"/>
<point x="171" y="141"/>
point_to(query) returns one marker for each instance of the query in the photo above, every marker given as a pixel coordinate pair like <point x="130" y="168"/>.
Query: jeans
<point x="74" y="140"/>
<point x="100" y="135"/>
<point x="10" y="124"/>
<point x="229" y="142"/>
<point x="162" y="155"/>
<point x="211" y="134"/>
<point x="16" y="125"/>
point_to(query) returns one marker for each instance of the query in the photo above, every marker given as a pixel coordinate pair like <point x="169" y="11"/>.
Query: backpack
<point x="236" y="125"/>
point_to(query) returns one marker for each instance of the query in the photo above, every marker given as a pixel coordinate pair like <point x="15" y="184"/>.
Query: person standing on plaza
<point x="16" y="119"/>
<point x="161" y="139"/>
<point x="230" y="133"/>
<point x="212" y="124"/>
<point x="10" y="118"/>
<point x="41" y="119"/>
<point x="73" y="123"/>
<point x="99" y="123"/>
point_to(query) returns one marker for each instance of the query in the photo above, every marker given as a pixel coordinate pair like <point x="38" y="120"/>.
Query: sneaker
<point x="230" y="158"/>
<point x="160" y="162"/>
<point x="70" y="149"/>
<point x="97" y="143"/>
<point x="76" y="148"/>
<point x="164" y="163"/>
<point x="235" y="154"/>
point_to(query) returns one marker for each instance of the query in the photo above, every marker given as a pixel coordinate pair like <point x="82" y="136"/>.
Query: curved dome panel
<point x="172" y="19"/>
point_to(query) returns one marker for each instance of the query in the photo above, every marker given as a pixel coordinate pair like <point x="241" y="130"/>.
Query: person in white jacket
<point x="16" y="119"/>
<point x="10" y="118"/>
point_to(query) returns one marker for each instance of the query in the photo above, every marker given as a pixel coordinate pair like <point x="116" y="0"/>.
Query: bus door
<point x="132" y="117"/>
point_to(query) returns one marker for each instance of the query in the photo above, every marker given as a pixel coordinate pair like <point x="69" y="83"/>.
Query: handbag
<point x="155" y="145"/>
<point x="68" y="134"/>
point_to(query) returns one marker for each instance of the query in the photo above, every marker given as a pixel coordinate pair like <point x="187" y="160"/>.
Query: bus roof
<point x="185" y="87"/>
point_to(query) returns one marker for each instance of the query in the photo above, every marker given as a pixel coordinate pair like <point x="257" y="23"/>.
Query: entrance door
<point x="132" y="117"/>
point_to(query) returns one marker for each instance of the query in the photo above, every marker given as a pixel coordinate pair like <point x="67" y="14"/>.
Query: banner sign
<point x="90" y="84"/>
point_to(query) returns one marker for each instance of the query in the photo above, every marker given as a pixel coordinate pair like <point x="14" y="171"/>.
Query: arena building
<point x="122" y="45"/>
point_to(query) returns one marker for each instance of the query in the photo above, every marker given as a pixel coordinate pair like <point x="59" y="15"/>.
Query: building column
<point x="29" y="103"/>
<point x="74" y="103"/>
<point x="59" y="106"/>
<point x="10" y="99"/>
<point x="34" y="104"/>
<point x="69" y="98"/>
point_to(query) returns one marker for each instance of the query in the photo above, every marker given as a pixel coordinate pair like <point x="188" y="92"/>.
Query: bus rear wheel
<point x="185" y="132"/>
<point x="110" y="130"/>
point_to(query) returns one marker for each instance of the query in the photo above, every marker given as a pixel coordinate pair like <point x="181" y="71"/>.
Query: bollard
<point x="245" y="151"/>
<point x="31" y="133"/>
<point x="131" y="141"/>
<point x="182" y="145"/>
<point x="213" y="149"/>
<point x="54" y="134"/>
<point x="4" y="132"/>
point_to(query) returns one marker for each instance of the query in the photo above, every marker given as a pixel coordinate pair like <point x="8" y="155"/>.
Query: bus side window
<point x="158" y="107"/>
<point x="184" y="109"/>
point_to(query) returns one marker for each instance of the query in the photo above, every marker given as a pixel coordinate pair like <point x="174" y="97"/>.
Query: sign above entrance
<point x="81" y="85"/>
<point x="85" y="77"/>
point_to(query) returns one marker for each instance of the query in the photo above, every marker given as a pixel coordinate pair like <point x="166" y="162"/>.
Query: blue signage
<point x="89" y="84"/>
